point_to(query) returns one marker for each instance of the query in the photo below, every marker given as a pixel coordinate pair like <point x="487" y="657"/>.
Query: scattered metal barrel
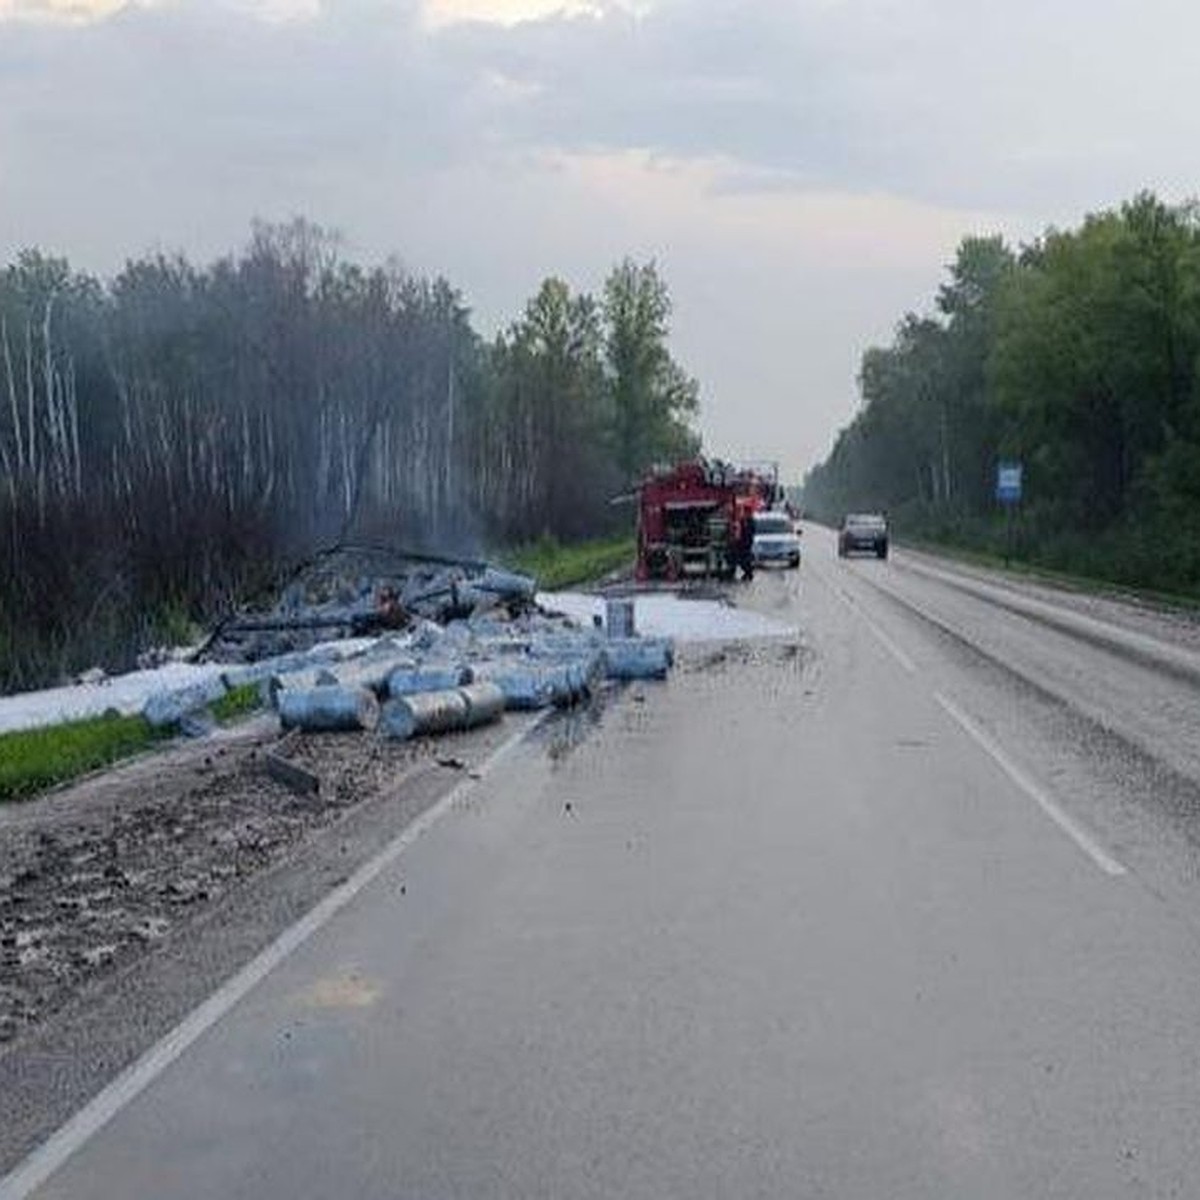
<point x="503" y="645"/>
<point x="164" y="709"/>
<point x="424" y="712"/>
<point x="281" y="664"/>
<point x="429" y="677"/>
<point x="485" y="703"/>
<point x="565" y="646"/>
<point x="639" y="658"/>
<point x="537" y="683"/>
<point x="524" y="687"/>
<point x="373" y="673"/>
<point x="618" y="617"/>
<point x="328" y="709"/>
<point x="506" y="584"/>
<point x="303" y="680"/>
<point x="568" y="683"/>
<point x="595" y="666"/>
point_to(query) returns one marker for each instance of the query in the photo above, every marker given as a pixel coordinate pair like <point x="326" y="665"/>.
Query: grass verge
<point x="556" y="565"/>
<point x="237" y="702"/>
<point x="33" y="759"/>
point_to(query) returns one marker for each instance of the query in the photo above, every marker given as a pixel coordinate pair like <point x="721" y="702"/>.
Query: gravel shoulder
<point x="128" y="897"/>
<point x="1125" y="610"/>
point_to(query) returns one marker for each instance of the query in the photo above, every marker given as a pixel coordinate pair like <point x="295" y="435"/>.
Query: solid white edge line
<point x="69" y="1138"/>
<point x="1077" y="834"/>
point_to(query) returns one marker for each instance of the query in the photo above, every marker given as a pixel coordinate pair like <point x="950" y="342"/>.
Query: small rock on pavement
<point x="150" y="929"/>
<point x="97" y="956"/>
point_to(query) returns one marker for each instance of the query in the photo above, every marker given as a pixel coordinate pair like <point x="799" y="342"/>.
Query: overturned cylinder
<point x="523" y="687"/>
<point x="485" y="703"/>
<point x="506" y="584"/>
<point x="638" y="658"/>
<point x="431" y="677"/>
<point x="328" y="709"/>
<point x="167" y="708"/>
<point x="559" y="646"/>
<point x="302" y="680"/>
<point x="570" y="682"/>
<point x="423" y="713"/>
<point x="281" y="664"/>
<point x="373" y="673"/>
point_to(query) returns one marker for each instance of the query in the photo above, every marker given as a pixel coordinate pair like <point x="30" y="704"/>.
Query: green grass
<point x="34" y="759"/>
<point x="237" y="702"/>
<point x="555" y="565"/>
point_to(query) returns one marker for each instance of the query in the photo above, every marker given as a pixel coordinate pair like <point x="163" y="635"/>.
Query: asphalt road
<point x="908" y="913"/>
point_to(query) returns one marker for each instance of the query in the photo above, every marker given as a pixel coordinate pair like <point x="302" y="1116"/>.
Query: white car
<point x="775" y="539"/>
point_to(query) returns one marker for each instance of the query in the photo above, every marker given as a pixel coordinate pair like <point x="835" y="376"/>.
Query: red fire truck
<point x="691" y="517"/>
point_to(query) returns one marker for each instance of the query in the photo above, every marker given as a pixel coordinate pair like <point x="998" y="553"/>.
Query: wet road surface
<point x="885" y="915"/>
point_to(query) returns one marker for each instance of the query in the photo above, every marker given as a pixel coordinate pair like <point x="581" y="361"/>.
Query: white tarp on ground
<point x="657" y="614"/>
<point x="125" y="693"/>
<point x="664" y="614"/>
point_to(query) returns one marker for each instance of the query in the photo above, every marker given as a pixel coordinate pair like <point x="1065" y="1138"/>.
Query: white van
<point x="775" y="539"/>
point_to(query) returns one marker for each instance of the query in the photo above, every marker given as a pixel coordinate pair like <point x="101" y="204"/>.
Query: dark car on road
<point x="863" y="532"/>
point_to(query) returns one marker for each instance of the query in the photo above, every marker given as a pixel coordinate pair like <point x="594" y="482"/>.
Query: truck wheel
<point x="882" y="551"/>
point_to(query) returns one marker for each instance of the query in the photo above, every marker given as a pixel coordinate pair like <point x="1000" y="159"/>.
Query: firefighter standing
<point x="745" y="556"/>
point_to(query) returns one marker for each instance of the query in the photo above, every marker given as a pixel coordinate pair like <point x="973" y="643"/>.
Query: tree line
<point x="173" y="437"/>
<point x="1077" y="355"/>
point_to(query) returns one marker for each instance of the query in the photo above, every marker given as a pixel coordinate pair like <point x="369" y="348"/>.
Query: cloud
<point x="57" y="10"/>
<point x="949" y="101"/>
<point x="502" y="12"/>
<point x="946" y="102"/>
<point x="801" y="168"/>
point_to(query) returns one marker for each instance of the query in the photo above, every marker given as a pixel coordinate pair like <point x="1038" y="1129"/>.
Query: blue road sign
<point x="1008" y="482"/>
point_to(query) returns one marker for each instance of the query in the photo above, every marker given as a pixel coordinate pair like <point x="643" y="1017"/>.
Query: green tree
<point x="653" y="398"/>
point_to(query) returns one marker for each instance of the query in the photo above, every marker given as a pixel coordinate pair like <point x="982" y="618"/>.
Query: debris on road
<point x="328" y="709"/>
<point x="292" y="775"/>
<point x="447" y="649"/>
<point x="639" y="658"/>
<point x="431" y="677"/>
<point x="485" y="703"/>
<point x="355" y="591"/>
<point x="424" y="713"/>
<point x="166" y="709"/>
<point x="435" y="712"/>
<point x="93" y="877"/>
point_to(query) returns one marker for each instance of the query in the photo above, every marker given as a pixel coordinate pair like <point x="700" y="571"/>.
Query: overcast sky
<point x="800" y="169"/>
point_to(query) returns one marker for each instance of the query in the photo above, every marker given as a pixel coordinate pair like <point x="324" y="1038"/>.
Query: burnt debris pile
<point x="407" y="647"/>
<point x="354" y="591"/>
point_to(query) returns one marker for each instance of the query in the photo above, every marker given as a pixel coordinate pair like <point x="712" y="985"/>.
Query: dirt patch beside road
<point x="94" y="875"/>
<point x="175" y="871"/>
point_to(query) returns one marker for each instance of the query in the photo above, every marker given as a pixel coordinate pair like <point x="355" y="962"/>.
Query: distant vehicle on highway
<point x="775" y="539"/>
<point x="863" y="532"/>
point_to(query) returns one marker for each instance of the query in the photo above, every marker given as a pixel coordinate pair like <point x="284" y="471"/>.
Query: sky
<point x="800" y="170"/>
